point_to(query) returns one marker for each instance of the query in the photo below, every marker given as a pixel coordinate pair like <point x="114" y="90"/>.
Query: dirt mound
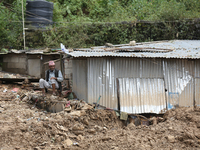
<point x="24" y="126"/>
<point x="186" y="115"/>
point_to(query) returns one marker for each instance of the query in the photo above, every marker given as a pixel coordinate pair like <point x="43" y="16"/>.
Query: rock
<point x="105" y="128"/>
<point x="61" y="128"/>
<point x="80" y="137"/>
<point x="67" y="143"/>
<point x="92" y="131"/>
<point x="79" y="132"/>
<point x="197" y="135"/>
<point x="1" y="109"/>
<point x="26" y="135"/>
<point x="85" y="121"/>
<point x="170" y="128"/>
<point x="58" y="117"/>
<point x="78" y="127"/>
<point x="131" y="126"/>
<point x="37" y="148"/>
<point x="154" y="120"/>
<point x="19" y="120"/>
<point x="171" y="138"/>
<point x="98" y="128"/>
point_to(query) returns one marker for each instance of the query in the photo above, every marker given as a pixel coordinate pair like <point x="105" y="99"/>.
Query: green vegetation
<point x="83" y="23"/>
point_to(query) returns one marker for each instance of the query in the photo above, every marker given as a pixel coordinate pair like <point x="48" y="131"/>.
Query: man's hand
<point x="53" y="78"/>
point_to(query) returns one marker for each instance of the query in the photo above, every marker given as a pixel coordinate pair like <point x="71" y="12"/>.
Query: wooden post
<point x="23" y="24"/>
<point x="61" y="64"/>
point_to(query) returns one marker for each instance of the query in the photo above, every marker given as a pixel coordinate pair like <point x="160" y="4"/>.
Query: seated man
<point x="53" y="79"/>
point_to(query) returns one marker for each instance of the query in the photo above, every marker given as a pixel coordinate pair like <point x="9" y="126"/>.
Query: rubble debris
<point x="24" y="126"/>
<point x="12" y="75"/>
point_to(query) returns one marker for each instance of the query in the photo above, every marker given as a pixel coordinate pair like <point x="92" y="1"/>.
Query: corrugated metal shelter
<point x="147" y="78"/>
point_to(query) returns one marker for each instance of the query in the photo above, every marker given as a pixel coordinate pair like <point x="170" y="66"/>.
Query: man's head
<point x="51" y="65"/>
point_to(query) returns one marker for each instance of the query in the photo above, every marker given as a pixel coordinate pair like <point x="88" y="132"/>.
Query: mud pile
<point x="23" y="125"/>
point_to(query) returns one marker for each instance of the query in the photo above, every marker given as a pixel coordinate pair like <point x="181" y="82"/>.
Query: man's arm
<point x="60" y="77"/>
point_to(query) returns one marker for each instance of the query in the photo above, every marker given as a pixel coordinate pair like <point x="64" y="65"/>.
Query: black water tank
<point x="39" y="13"/>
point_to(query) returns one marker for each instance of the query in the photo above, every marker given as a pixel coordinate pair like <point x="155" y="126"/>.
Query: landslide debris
<point x="25" y="126"/>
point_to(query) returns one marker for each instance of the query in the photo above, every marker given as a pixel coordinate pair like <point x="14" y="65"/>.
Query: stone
<point x="98" y="128"/>
<point x="78" y="127"/>
<point x="37" y="148"/>
<point x="92" y="131"/>
<point x="1" y="109"/>
<point x="154" y="121"/>
<point x="58" y="117"/>
<point x="170" y="128"/>
<point x="131" y="126"/>
<point x="61" y="128"/>
<point x="79" y="133"/>
<point x="85" y="121"/>
<point x="67" y="143"/>
<point x="80" y="137"/>
<point x="19" y="120"/>
<point x="171" y="138"/>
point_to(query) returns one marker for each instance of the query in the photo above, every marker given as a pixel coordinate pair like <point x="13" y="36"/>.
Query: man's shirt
<point x="52" y="74"/>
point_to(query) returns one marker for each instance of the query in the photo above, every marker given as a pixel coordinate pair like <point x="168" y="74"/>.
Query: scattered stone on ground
<point x="24" y="126"/>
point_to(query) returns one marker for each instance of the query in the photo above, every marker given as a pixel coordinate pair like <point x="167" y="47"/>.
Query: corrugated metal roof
<point x="181" y="49"/>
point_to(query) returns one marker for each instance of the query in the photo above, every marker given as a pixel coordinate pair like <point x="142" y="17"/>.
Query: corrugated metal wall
<point x="178" y="76"/>
<point x="140" y="95"/>
<point x="197" y="82"/>
<point x="101" y="82"/>
<point x="100" y="75"/>
<point x="103" y="72"/>
<point x="80" y="78"/>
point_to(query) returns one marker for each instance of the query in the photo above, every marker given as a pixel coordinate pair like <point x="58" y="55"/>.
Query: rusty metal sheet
<point x="139" y="95"/>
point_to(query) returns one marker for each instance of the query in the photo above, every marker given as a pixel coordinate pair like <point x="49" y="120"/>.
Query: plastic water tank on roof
<point x="39" y="13"/>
